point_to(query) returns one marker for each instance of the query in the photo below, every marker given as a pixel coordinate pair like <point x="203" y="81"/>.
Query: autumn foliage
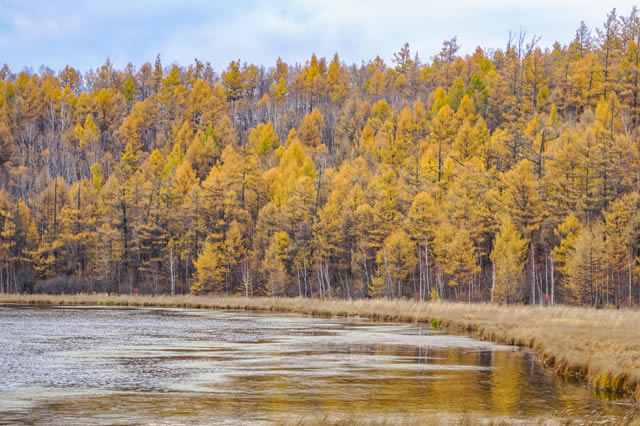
<point x="509" y="175"/>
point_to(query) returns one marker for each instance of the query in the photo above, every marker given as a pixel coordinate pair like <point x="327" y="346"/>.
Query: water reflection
<point x="138" y="365"/>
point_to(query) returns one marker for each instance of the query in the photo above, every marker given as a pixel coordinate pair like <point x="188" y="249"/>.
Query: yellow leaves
<point x="327" y="231"/>
<point x="210" y="268"/>
<point x="407" y="127"/>
<point x="443" y="127"/>
<point x="456" y="93"/>
<point x="279" y="90"/>
<point x="129" y="159"/>
<point x="367" y="141"/>
<point x="466" y="110"/>
<point x="136" y="130"/>
<point x="129" y="90"/>
<point x="274" y="266"/>
<point x="608" y="113"/>
<point x="184" y="179"/>
<point x="521" y="197"/>
<point x="203" y="152"/>
<point x="470" y="140"/>
<point x="396" y="261"/>
<point x="294" y="163"/>
<point x="509" y="257"/>
<point x="281" y="239"/>
<point x="206" y="106"/>
<point x="553" y="116"/>
<point x="235" y="244"/>
<point x="280" y="75"/>
<point x="586" y="268"/>
<point x="97" y="176"/>
<point x="423" y="215"/>
<point x="174" y="159"/>
<point x="154" y="166"/>
<point x="86" y="135"/>
<point x="337" y="80"/>
<point x="455" y="253"/>
<point x="437" y="100"/>
<point x="568" y="232"/>
<point x="398" y="255"/>
<point x="263" y="139"/>
<point x="314" y="84"/>
<point x="232" y="80"/>
<point x="381" y="111"/>
<point x="378" y="84"/>
<point x="310" y="129"/>
<point x="465" y="203"/>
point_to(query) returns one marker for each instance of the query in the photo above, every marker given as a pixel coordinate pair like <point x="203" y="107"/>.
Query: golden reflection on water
<point x="154" y="365"/>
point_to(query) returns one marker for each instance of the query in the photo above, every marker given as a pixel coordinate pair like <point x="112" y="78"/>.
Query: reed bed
<point x="600" y="346"/>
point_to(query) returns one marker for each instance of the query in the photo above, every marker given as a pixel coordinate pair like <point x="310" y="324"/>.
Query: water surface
<point x="105" y="365"/>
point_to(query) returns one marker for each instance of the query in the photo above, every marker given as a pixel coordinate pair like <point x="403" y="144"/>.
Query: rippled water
<point x="104" y="365"/>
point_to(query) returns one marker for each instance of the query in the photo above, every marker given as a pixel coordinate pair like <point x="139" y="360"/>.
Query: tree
<point x="310" y="130"/>
<point x="442" y="135"/>
<point x="525" y="208"/>
<point x="274" y="265"/>
<point x="233" y="81"/>
<point x="620" y="232"/>
<point x="327" y="235"/>
<point x="586" y="268"/>
<point x="567" y="232"/>
<point x="423" y="224"/>
<point x="263" y="140"/>
<point x="236" y="256"/>
<point x="333" y="180"/>
<point x="455" y="257"/>
<point x="210" y="269"/>
<point x="508" y="256"/>
<point x="337" y="80"/>
<point x="609" y="39"/>
<point x="396" y="262"/>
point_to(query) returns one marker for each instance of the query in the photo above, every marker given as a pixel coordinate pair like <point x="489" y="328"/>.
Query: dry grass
<point x="601" y="346"/>
<point x="444" y="418"/>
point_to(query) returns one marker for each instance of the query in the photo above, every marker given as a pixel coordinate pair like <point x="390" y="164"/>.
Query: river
<point x="146" y="365"/>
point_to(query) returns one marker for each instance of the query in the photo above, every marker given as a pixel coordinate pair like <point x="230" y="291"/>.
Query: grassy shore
<point x="600" y="346"/>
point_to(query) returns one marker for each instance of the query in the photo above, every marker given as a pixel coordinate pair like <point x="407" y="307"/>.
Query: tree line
<point x="510" y="174"/>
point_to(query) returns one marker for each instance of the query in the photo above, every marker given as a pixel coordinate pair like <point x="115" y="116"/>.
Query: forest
<point x="509" y="175"/>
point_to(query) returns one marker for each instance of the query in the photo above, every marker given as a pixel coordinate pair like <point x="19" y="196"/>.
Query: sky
<point x="83" y="33"/>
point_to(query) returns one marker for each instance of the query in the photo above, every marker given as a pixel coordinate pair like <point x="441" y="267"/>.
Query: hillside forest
<point x="510" y="174"/>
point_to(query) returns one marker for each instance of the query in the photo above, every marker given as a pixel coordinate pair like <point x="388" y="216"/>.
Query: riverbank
<point x="600" y="346"/>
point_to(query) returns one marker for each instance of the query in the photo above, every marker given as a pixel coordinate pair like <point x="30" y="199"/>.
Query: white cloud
<point x="79" y="32"/>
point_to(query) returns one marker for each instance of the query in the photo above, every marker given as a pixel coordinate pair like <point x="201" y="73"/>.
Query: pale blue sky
<point x="83" y="33"/>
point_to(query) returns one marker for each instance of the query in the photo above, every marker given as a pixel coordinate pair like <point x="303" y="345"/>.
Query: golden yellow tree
<point x="210" y="269"/>
<point x="508" y="256"/>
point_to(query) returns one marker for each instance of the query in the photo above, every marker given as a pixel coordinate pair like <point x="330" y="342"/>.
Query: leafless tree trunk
<point x="171" y="269"/>
<point x="244" y="270"/>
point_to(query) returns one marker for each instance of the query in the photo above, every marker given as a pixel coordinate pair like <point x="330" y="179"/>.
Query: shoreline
<point x="601" y="347"/>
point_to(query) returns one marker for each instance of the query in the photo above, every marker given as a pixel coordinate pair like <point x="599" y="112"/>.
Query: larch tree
<point x="509" y="257"/>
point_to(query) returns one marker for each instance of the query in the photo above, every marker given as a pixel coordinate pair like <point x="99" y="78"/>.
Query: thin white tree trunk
<point x="244" y="270"/>
<point x="533" y="276"/>
<point x="304" y="277"/>
<point x="426" y="258"/>
<point x="171" y="269"/>
<point x="546" y="274"/>
<point x="629" y="259"/>
<point x="493" y="279"/>
<point x="553" y="280"/>
<point x="386" y="267"/>
<point x="420" y="276"/>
